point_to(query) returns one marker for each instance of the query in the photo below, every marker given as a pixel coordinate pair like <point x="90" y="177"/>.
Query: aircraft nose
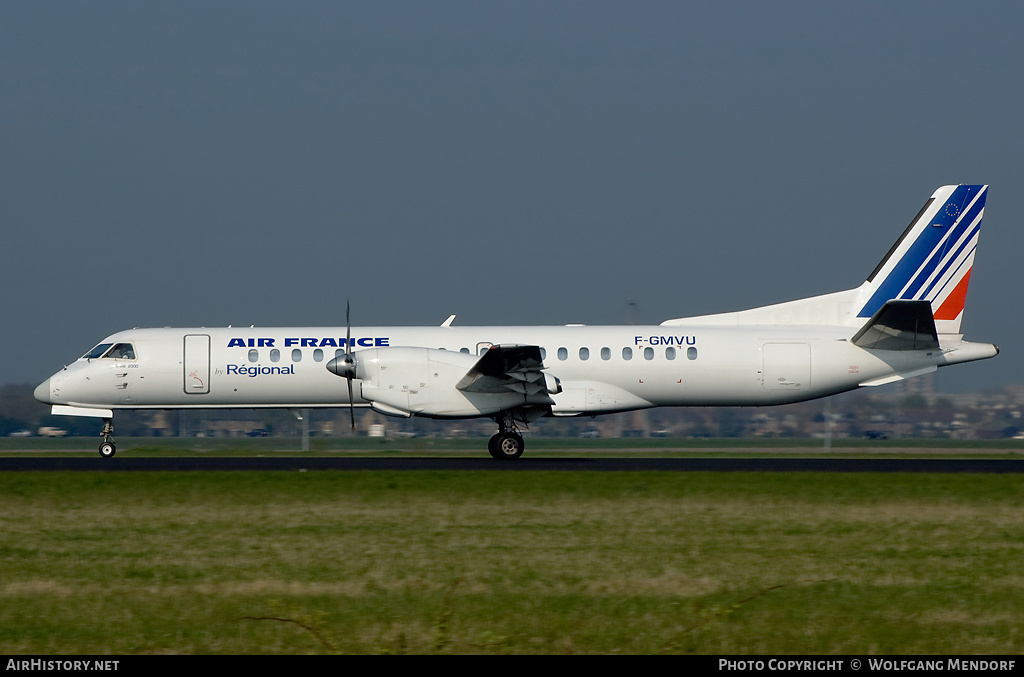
<point x="42" y="392"/>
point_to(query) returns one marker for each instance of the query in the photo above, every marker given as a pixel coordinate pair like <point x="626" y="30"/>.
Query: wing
<point x="505" y="368"/>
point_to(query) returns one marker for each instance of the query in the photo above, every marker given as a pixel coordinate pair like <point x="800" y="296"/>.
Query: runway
<point x="356" y="463"/>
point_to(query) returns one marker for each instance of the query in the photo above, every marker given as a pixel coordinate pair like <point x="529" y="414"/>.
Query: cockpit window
<point x="97" y="351"/>
<point x="119" y="351"/>
<point x="122" y="351"/>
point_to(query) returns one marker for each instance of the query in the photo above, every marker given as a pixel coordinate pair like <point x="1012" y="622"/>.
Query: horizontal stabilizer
<point x="900" y="325"/>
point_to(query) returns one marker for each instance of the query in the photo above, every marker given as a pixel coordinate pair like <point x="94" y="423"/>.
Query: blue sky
<point x="206" y="164"/>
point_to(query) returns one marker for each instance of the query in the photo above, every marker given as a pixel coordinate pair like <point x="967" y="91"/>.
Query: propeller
<point x="350" y="364"/>
<point x="346" y="366"/>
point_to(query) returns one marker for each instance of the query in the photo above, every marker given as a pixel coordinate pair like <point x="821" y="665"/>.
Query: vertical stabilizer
<point x="932" y="259"/>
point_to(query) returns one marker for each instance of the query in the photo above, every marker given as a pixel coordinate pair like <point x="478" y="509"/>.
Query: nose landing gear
<point x="107" y="447"/>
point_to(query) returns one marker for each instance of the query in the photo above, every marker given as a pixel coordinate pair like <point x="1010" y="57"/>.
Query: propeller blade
<point x="349" y="361"/>
<point x="351" y="406"/>
<point x="345" y="365"/>
<point x="348" y="331"/>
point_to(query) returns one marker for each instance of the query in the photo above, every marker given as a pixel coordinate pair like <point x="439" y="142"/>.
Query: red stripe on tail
<point x="954" y="303"/>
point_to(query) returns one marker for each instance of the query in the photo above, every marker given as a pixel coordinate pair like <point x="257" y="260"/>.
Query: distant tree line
<point x="858" y="414"/>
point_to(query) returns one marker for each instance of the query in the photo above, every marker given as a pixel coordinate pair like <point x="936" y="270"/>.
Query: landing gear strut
<point x="507" y="443"/>
<point x="107" y="447"/>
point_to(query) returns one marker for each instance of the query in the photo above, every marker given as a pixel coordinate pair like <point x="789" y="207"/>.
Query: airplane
<point x="903" y="321"/>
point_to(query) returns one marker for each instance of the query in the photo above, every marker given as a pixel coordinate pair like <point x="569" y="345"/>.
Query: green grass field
<point x="498" y="562"/>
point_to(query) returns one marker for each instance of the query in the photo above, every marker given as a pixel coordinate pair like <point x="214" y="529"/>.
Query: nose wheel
<point x="107" y="447"/>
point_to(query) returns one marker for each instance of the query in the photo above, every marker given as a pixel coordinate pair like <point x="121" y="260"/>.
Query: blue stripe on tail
<point x="914" y="268"/>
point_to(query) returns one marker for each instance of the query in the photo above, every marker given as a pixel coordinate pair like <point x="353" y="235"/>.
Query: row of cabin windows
<point x="563" y="354"/>
<point x="125" y="351"/>
<point x="275" y="355"/>
<point x="627" y="353"/>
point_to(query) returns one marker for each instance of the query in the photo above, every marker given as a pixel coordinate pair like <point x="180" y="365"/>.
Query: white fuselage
<point x="600" y="368"/>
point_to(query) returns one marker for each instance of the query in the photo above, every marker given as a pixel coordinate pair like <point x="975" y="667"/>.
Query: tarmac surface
<point x="356" y="463"/>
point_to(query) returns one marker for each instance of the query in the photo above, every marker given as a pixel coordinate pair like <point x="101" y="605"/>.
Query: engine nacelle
<point x="422" y="382"/>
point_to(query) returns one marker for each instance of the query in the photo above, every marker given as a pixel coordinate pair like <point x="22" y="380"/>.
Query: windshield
<point x="97" y="351"/>
<point x="122" y="351"/>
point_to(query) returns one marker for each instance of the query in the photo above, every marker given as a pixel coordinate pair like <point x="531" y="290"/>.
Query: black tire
<point x="492" y="446"/>
<point x="107" y="450"/>
<point x="507" y="446"/>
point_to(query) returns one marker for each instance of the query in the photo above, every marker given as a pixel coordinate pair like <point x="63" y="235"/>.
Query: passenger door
<point x="197" y="364"/>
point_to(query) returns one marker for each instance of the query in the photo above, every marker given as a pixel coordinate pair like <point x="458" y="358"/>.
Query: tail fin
<point x="932" y="259"/>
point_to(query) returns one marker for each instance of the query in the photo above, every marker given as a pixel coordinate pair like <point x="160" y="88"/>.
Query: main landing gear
<point x="107" y="447"/>
<point x="507" y="443"/>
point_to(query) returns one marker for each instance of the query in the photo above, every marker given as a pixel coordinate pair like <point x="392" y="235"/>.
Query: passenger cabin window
<point x="318" y="355"/>
<point x="606" y="353"/>
<point x="254" y="355"/>
<point x="627" y="353"/>
<point x="296" y="355"/>
<point x="670" y="353"/>
<point x="584" y="353"/>
<point x="543" y="354"/>
<point x="691" y="353"/>
<point x="563" y="354"/>
<point x="275" y="355"/>
<point x="648" y="353"/>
